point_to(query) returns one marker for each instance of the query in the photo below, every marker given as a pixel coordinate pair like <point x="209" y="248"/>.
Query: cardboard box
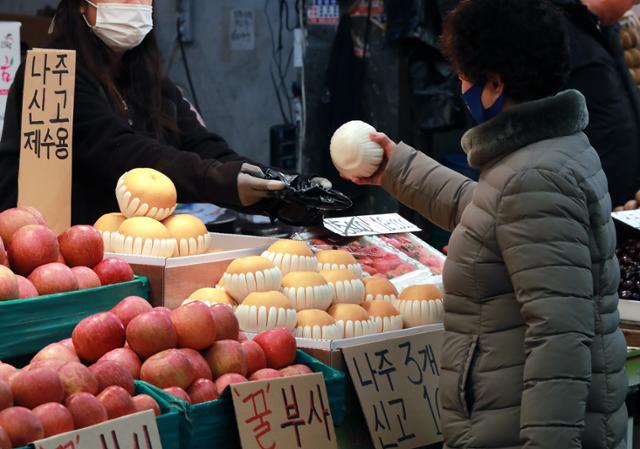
<point x="173" y="279"/>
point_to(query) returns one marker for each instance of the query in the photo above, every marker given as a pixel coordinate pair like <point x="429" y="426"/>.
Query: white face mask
<point x="122" y="26"/>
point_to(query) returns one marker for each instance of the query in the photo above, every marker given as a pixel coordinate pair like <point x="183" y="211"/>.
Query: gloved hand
<point x="323" y="182"/>
<point x="252" y="188"/>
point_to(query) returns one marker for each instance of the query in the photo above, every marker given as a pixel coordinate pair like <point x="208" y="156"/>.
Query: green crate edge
<point x="221" y="410"/>
<point x="15" y="339"/>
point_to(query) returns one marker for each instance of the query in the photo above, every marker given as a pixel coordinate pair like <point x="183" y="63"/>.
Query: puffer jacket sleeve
<point x="542" y="229"/>
<point x="419" y="182"/>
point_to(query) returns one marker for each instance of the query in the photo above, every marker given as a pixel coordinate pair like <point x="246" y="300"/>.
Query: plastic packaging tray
<point x="28" y="325"/>
<point x="212" y="424"/>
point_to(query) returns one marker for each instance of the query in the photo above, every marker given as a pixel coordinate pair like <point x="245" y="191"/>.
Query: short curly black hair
<point x="525" y="42"/>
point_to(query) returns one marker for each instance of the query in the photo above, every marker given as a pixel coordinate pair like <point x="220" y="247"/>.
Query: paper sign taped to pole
<point x="46" y="142"/>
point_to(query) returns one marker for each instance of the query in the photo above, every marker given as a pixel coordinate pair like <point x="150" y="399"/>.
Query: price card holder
<point x="44" y="177"/>
<point x="397" y="384"/>
<point x="369" y="225"/>
<point x="138" y="431"/>
<point x="291" y="412"/>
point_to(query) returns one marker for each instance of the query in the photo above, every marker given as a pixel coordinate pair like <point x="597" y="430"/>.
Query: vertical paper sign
<point x="9" y="62"/>
<point x="283" y="413"/>
<point x="139" y="431"/>
<point x="44" y="178"/>
<point x="397" y="384"/>
<point x="242" y="35"/>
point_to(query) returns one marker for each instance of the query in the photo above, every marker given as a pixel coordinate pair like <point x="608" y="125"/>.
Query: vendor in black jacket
<point x="127" y="116"/>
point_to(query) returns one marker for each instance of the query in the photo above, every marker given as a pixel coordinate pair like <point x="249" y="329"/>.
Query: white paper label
<point x="369" y="225"/>
<point x="628" y="217"/>
<point x="9" y="61"/>
<point x="242" y="34"/>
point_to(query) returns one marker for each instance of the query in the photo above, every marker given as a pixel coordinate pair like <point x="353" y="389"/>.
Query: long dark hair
<point x="139" y="79"/>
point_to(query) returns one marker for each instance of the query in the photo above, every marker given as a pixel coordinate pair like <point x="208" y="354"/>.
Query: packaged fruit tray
<point x="413" y="247"/>
<point x="212" y="424"/>
<point x="28" y="325"/>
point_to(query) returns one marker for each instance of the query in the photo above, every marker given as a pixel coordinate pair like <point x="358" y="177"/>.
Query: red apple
<point x="35" y="213"/>
<point x="179" y="393"/>
<point x="38" y="386"/>
<point x="22" y="426"/>
<point x="96" y="335"/>
<point x="144" y="402"/>
<point x="194" y="325"/>
<point x="150" y="333"/>
<point x="265" y="373"/>
<point x="256" y="360"/>
<point x="242" y="337"/>
<point x="53" y="278"/>
<point x="53" y="364"/>
<point x="226" y="322"/>
<point x="6" y="371"/>
<point x="200" y="366"/>
<point x="86" y="410"/>
<point x="81" y="245"/>
<point x="26" y="289"/>
<point x="125" y="357"/>
<point x="225" y="380"/>
<point x="170" y="368"/>
<point x="61" y="260"/>
<point x="113" y="271"/>
<point x="55" y="418"/>
<point x="117" y="401"/>
<point x="295" y="370"/>
<point x="56" y="351"/>
<point x="13" y="219"/>
<point x="68" y="342"/>
<point x="278" y="345"/>
<point x="86" y="278"/>
<point x="130" y="307"/>
<point x="110" y="373"/>
<point x="9" y="287"/>
<point x="227" y="356"/>
<point x="4" y="257"/>
<point x="5" y="441"/>
<point x="76" y="378"/>
<point x="165" y="310"/>
<point x="31" y="247"/>
<point x="6" y="396"/>
<point x="202" y="390"/>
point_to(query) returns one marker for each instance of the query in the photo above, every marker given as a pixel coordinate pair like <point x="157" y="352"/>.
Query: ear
<point x="493" y="89"/>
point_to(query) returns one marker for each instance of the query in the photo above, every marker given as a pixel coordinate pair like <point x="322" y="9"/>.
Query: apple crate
<point x="212" y="424"/>
<point x="28" y="325"/>
<point x="173" y="279"/>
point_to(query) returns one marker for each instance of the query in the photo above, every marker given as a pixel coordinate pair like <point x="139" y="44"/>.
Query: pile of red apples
<point x="193" y="352"/>
<point x="35" y="262"/>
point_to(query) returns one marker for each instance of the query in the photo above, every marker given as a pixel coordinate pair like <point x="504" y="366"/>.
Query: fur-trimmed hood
<point x="524" y="124"/>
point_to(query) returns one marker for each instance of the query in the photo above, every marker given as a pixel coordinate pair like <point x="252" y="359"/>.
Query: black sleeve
<point x="10" y="144"/>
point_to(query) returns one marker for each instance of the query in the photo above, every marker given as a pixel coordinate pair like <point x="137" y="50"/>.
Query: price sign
<point x="139" y="431"/>
<point x="628" y="217"/>
<point x="323" y="12"/>
<point x="242" y="30"/>
<point x="397" y="384"/>
<point x="44" y="177"/>
<point x="9" y="61"/>
<point x="369" y="225"/>
<point x="289" y="413"/>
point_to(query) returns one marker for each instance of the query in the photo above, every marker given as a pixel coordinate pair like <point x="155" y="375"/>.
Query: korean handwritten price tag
<point x="44" y="177"/>
<point x="369" y="225"/>
<point x="283" y="413"/>
<point x="396" y="381"/>
<point x="138" y="431"/>
<point x="628" y="217"/>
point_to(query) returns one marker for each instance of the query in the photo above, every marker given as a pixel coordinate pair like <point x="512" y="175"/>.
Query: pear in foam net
<point x="251" y="274"/>
<point x="261" y="311"/>
<point x="211" y="296"/>
<point x="345" y="285"/>
<point x="143" y="236"/>
<point x="107" y="225"/>
<point x="353" y="152"/>
<point x="291" y="256"/>
<point x="145" y="192"/>
<point x="420" y="304"/>
<point x="192" y="237"/>
<point x="354" y="319"/>
<point x="307" y="290"/>
<point x="338" y="260"/>
<point x="386" y="316"/>
<point x="380" y="288"/>
<point x="318" y="325"/>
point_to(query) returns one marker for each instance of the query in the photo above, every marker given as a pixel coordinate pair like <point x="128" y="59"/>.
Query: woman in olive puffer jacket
<point x="532" y="355"/>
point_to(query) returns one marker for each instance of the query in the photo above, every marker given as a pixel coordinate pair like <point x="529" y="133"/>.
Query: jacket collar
<point x="524" y="124"/>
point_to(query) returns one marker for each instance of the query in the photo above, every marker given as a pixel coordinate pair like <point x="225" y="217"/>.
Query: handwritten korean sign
<point x="397" y="383"/>
<point x="369" y="225"/>
<point x="628" y="217"/>
<point x="139" y="431"/>
<point x="283" y="413"/>
<point x="44" y="178"/>
<point x="242" y="33"/>
<point x="9" y="61"/>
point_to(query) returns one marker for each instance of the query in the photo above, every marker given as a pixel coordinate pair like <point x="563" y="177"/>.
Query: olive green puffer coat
<point x="532" y="355"/>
